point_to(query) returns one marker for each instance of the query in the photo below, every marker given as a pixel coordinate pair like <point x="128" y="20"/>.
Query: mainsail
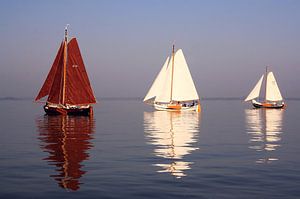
<point x="77" y="87"/>
<point x="255" y="92"/>
<point x="272" y="90"/>
<point x="183" y="84"/>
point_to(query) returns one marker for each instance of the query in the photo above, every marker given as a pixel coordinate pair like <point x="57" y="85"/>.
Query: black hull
<point x="64" y="111"/>
<point x="269" y="106"/>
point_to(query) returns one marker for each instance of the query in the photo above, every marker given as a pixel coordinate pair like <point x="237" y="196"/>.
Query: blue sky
<point x="124" y="43"/>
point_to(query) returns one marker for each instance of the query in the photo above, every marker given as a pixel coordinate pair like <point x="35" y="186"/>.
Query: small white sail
<point x="183" y="84"/>
<point x="255" y="92"/>
<point x="272" y="92"/>
<point x="158" y="82"/>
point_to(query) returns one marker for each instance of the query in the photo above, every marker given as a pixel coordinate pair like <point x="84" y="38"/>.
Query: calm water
<point x="128" y="150"/>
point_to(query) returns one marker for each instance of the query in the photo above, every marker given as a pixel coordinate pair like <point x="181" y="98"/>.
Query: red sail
<point x="55" y="94"/>
<point x="78" y="88"/>
<point x="45" y="90"/>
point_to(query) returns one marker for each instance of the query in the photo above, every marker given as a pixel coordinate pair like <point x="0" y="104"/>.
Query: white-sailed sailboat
<point x="273" y="98"/>
<point x="174" y="89"/>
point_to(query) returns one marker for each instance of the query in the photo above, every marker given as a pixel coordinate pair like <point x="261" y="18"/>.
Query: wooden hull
<point x="168" y="107"/>
<point x="65" y="111"/>
<point x="267" y="105"/>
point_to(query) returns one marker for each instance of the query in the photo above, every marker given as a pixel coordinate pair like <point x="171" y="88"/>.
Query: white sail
<point x="183" y="88"/>
<point x="255" y="92"/>
<point x="272" y="92"/>
<point x="164" y="94"/>
<point x="158" y="82"/>
<point x="183" y="84"/>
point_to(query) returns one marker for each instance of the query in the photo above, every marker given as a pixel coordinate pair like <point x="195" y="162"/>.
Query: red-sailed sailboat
<point x="67" y="84"/>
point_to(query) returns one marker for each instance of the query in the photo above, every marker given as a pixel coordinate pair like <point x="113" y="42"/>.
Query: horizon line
<point x="9" y="98"/>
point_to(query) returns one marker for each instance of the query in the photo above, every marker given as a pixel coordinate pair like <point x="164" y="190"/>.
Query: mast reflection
<point x="264" y="127"/>
<point x="174" y="135"/>
<point x="67" y="141"/>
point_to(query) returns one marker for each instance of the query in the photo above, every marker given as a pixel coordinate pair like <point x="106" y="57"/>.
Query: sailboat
<point x="174" y="89"/>
<point x="67" y="84"/>
<point x="273" y="98"/>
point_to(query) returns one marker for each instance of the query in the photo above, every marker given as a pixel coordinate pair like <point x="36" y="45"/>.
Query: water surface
<point x="128" y="150"/>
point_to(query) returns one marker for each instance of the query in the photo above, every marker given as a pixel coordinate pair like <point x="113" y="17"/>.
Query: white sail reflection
<point x="174" y="135"/>
<point x="264" y="127"/>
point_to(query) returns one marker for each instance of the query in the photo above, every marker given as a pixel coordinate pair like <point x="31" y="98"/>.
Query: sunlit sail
<point x="174" y="136"/>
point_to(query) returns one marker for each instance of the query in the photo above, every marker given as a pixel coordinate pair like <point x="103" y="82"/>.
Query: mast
<point x="65" y="64"/>
<point x="266" y="80"/>
<point x="172" y="72"/>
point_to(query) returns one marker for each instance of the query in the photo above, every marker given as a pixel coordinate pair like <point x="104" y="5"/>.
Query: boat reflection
<point x="174" y="135"/>
<point x="66" y="139"/>
<point x="264" y="127"/>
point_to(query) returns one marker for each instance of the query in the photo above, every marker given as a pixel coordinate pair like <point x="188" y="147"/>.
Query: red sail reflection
<point x="67" y="140"/>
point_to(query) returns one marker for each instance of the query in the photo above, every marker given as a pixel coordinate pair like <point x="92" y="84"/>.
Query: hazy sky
<point x="124" y="43"/>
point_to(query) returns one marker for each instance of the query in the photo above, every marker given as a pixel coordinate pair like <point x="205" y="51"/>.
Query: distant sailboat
<point x="67" y="84"/>
<point x="273" y="98"/>
<point x="174" y="89"/>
